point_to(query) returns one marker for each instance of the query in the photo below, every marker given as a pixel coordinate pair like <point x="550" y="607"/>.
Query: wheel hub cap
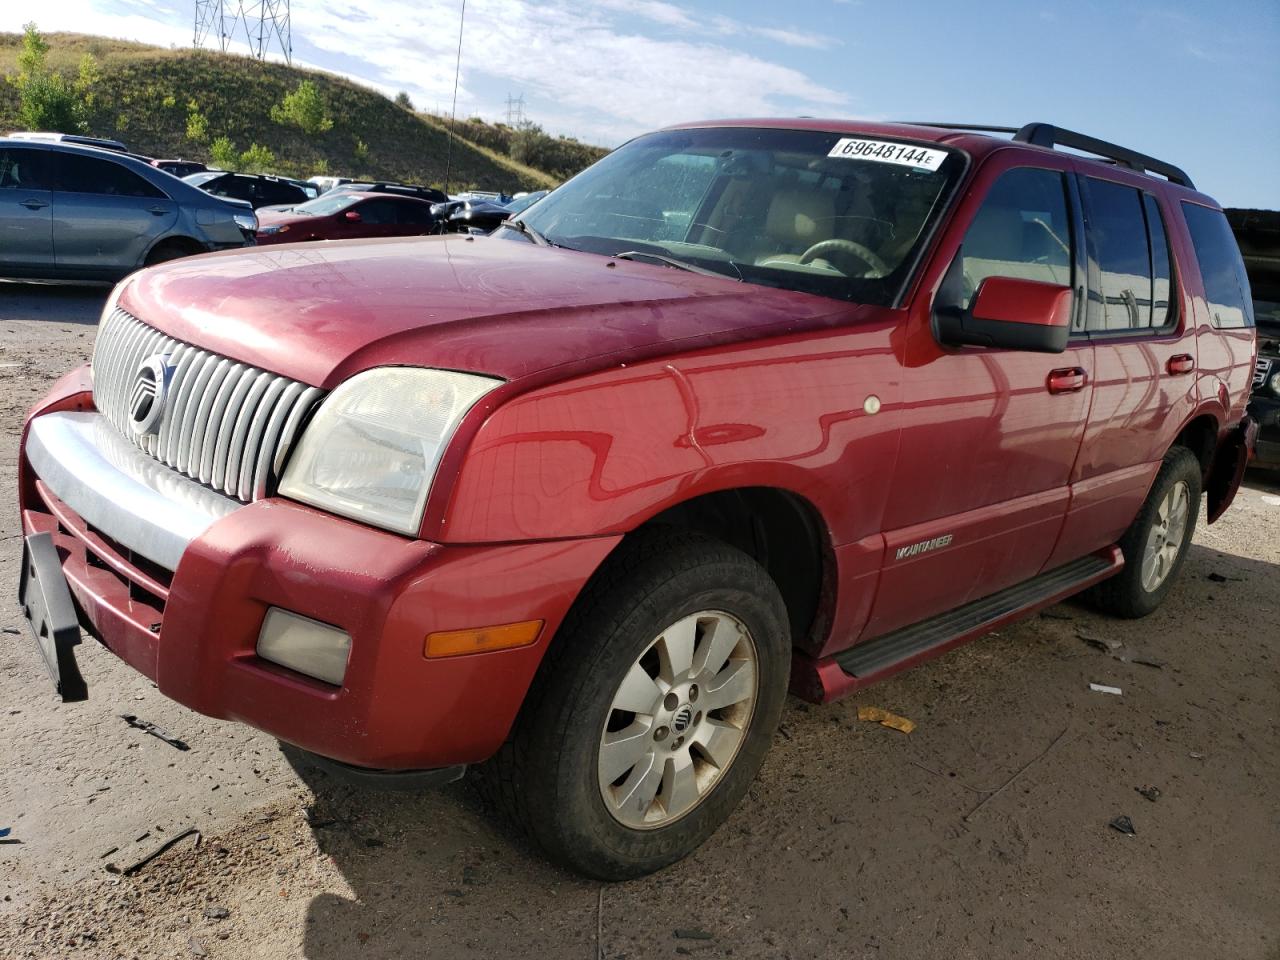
<point x="1164" y="542"/>
<point x="677" y="720"/>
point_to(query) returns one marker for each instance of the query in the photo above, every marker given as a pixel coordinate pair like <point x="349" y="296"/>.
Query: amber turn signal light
<point x="455" y="643"/>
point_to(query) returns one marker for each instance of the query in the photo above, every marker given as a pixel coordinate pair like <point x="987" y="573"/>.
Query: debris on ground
<point x="1104" y="644"/>
<point x="886" y="719"/>
<point x="137" y="865"/>
<point x="1123" y="824"/>
<point x="692" y="933"/>
<point x="216" y="913"/>
<point x="196" y="947"/>
<point x="1219" y="578"/>
<point x="148" y="727"/>
<point x="1151" y="793"/>
<point x="1103" y="688"/>
<point x="1149" y="662"/>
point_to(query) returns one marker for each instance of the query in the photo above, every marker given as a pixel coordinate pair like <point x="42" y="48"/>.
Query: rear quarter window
<point x="1226" y="285"/>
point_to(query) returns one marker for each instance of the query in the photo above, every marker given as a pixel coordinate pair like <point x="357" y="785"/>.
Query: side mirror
<point x="1010" y="314"/>
<point x="352" y="215"/>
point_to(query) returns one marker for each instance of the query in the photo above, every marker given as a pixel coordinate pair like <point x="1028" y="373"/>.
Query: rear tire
<point x="167" y="250"/>
<point x="628" y="753"/>
<point x="1155" y="545"/>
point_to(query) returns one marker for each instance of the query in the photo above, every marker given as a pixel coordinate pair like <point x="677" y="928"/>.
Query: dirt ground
<point x="857" y="841"/>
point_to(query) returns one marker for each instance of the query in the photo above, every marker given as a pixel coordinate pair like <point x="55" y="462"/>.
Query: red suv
<point x="745" y="407"/>
<point x="342" y="215"/>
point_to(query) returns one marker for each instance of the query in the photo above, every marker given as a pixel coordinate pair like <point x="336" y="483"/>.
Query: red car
<point x="746" y="407"/>
<point x="339" y="215"/>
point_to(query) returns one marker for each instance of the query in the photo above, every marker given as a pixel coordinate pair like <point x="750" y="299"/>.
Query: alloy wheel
<point x="1164" y="541"/>
<point x="678" y="719"/>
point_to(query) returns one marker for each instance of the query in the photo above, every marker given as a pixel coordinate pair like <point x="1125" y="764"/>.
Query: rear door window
<point x="1226" y="285"/>
<point x="377" y="211"/>
<point x="82" y="174"/>
<point x="1134" y="285"/>
<point x="1022" y="231"/>
<point x="24" y="168"/>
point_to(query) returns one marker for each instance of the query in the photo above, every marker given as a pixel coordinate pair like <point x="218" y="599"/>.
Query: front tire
<point x="1155" y="545"/>
<point x="654" y="709"/>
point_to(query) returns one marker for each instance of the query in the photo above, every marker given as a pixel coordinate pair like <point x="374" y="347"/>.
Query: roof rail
<point x="1047" y="135"/>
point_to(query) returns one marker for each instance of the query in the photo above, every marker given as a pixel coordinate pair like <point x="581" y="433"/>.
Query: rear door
<point x="26" y="210"/>
<point x="413" y="217"/>
<point x="1145" y="359"/>
<point x="378" y="218"/>
<point x="105" y="216"/>
<point x="981" y="483"/>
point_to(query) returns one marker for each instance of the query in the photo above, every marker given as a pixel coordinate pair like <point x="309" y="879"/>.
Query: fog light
<point x="305" y="645"/>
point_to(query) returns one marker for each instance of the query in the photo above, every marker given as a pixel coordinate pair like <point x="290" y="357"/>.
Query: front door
<point x="26" y="210"/>
<point x="981" y="483"/>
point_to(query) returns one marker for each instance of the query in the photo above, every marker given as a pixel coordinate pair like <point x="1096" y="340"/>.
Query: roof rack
<point x="1047" y="135"/>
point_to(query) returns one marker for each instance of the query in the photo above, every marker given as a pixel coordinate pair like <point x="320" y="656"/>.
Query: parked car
<point x="325" y="184"/>
<point x="470" y="216"/>
<point x="180" y="168"/>
<point x="72" y="212"/>
<point x="402" y="189"/>
<point x="1258" y="234"/>
<point x="258" y="190"/>
<point x="524" y="201"/>
<point x="745" y="407"/>
<point x="339" y="215"/>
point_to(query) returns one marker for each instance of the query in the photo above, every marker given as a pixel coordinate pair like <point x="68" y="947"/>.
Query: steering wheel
<point x="879" y="267"/>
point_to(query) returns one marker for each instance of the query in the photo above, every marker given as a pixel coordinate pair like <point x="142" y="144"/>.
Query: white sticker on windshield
<point x="886" y="151"/>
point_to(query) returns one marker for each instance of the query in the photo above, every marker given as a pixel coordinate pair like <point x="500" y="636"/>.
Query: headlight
<point x="1275" y="382"/>
<point x="372" y="449"/>
<point x="246" y="221"/>
<point x="268" y="231"/>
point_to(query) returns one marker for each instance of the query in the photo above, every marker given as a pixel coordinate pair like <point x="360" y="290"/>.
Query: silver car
<point x="80" y="213"/>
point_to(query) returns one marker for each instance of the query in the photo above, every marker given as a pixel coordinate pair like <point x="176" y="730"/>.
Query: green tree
<point x="305" y="109"/>
<point x="257" y="159"/>
<point x="47" y="100"/>
<point x="223" y="153"/>
<point x="402" y="100"/>
<point x="361" y="150"/>
<point x="197" y="127"/>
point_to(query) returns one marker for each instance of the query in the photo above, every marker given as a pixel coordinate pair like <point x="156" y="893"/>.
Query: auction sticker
<point x="886" y="151"/>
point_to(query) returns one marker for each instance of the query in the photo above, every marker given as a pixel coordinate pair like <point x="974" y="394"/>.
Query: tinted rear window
<point x="1226" y="285"/>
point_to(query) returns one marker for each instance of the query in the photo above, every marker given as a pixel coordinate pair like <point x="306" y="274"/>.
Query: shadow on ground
<point x="55" y="302"/>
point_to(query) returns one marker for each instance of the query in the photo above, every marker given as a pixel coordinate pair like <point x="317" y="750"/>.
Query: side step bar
<point x="873" y="660"/>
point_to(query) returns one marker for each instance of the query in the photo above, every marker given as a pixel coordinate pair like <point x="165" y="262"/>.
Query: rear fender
<point x="1229" y="462"/>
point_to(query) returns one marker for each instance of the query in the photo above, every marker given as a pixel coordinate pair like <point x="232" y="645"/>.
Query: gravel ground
<point x="857" y="840"/>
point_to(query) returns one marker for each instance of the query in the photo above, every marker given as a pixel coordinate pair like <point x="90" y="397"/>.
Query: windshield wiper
<point x="519" y="226"/>
<point x="678" y="264"/>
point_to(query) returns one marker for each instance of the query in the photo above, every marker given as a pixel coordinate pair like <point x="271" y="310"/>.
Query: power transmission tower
<point x="260" y="24"/>
<point x="515" y="111"/>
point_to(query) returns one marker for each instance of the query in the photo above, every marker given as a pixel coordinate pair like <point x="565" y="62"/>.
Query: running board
<point x="873" y="660"/>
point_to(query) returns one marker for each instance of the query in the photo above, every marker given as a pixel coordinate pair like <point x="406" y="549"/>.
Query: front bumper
<point x="192" y="625"/>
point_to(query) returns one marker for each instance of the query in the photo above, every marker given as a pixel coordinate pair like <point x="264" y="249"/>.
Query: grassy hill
<point x="145" y="93"/>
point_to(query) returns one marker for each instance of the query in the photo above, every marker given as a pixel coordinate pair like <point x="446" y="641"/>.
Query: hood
<point x="322" y="312"/>
<point x="282" y="213"/>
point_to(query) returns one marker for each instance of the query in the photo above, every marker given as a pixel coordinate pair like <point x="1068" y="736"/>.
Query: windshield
<point x="804" y="210"/>
<point x="327" y="204"/>
<point x="203" y="177"/>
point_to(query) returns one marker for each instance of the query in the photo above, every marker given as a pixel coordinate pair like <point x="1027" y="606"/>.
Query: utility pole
<point x="261" y="24"/>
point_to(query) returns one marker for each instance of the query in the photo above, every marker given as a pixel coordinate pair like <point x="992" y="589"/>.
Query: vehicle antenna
<point x="453" y="113"/>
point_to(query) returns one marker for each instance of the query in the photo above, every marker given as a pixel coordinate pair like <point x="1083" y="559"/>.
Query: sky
<point x="1194" y="83"/>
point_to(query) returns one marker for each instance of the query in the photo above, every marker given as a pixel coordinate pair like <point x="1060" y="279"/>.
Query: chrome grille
<point x="226" y="424"/>
<point x="1260" y="371"/>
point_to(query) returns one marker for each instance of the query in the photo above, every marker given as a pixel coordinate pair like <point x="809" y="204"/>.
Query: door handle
<point x="157" y="211"/>
<point x="1181" y="363"/>
<point x="1067" y="380"/>
<point x="34" y="204"/>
